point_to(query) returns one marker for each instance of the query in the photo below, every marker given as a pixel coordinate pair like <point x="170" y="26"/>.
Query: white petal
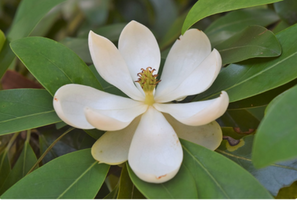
<point x="139" y="48"/>
<point x="198" y="81"/>
<point x="155" y="153"/>
<point x="197" y="113"/>
<point x="111" y="65"/>
<point x="209" y="135"/>
<point x="185" y="55"/>
<point x="71" y="100"/>
<point x="113" y="147"/>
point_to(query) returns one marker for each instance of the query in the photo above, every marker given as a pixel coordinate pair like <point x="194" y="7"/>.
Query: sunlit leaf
<point x="273" y="177"/>
<point x="205" y="8"/>
<point x="276" y="137"/>
<point x="53" y="64"/>
<point x="23" y="109"/>
<point x="72" y="176"/>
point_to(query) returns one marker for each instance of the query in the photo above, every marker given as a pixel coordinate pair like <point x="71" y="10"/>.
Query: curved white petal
<point x="111" y="65"/>
<point x="185" y="55"/>
<point x="198" y="81"/>
<point x="113" y="147"/>
<point x="70" y="102"/>
<point x="209" y="135"/>
<point x="139" y="48"/>
<point x="197" y="113"/>
<point x="155" y="153"/>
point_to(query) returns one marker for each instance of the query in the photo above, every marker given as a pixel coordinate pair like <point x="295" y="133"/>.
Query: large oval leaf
<point x="23" y="109"/>
<point x="173" y="189"/>
<point x="256" y="76"/>
<point x="73" y="176"/>
<point x="205" y="8"/>
<point x="29" y="13"/>
<point x="253" y="41"/>
<point x="53" y="64"/>
<point x="276" y="137"/>
<point x="218" y="177"/>
<point x="235" y="21"/>
<point x="284" y="173"/>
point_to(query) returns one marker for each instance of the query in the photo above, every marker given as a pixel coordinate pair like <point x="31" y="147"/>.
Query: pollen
<point x="148" y="81"/>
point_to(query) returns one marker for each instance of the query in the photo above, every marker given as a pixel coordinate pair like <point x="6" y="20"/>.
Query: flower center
<point x="148" y="82"/>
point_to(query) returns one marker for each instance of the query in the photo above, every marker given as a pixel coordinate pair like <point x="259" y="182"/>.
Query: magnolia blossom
<point x="144" y="128"/>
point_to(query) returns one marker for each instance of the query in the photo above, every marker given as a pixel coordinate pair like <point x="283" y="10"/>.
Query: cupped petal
<point x="71" y="101"/>
<point x="209" y="135"/>
<point x="185" y="55"/>
<point x="196" y="113"/>
<point x="155" y="154"/>
<point x="113" y="147"/>
<point x="111" y="65"/>
<point x="198" y="81"/>
<point x="139" y="48"/>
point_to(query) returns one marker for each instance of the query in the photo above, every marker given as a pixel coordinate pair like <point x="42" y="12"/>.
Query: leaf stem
<point x="48" y="149"/>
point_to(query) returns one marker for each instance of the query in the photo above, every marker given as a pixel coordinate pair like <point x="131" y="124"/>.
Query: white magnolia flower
<point x="144" y="128"/>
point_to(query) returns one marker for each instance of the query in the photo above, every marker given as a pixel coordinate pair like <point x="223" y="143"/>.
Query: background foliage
<point x="43" y="45"/>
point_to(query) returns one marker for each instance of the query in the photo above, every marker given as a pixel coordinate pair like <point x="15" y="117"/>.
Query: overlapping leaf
<point x="256" y="76"/>
<point x="276" y="137"/>
<point x="205" y="8"/>
<point x="23" y="109"/>
<point x="273" y="177"/>
<point x="72" y="176"/>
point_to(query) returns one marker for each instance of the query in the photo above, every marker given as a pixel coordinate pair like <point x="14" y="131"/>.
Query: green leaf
<point x="23" y="109"/>
<point x="287" y="10"/>
<point x="2" y="39"/>
<point x="276" y="137"/>
<point x="256" y="76"/>
<point x="127" y="190"/>
<point x="218" y="177"/>
<point x="24" y="163"/>
<point x="253" y="41"/>
<point x="235" y="21"/>
<point x="205" y="8"/>
<point x="29" y="13"/>
<point x="4" y="166"/>
<point x="53" y="64"/>
<point x="288" y="192"/>
<point x="173" y="189"/>
<point x="80" y="47"/>
<point x="72" y="176"/>
<point x="273" y="177"/>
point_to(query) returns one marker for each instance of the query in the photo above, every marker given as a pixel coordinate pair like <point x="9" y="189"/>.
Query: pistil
<point x="148" y="82"/>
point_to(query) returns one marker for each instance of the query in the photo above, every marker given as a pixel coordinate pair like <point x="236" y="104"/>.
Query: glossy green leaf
<point x="287" y="10"/>
<point x="29" y="13"/>
<point x="273" y="177"/>
<point x="127" y="189"/>
<point x="253" y="41"/>
<point x="218" y="177"/>
<point x="205" y="8"/>
<point x="72" y="176"/>
<point x="256" y="76"/>
<point x="2" y="39"/>
<point x="80" y="47"/>
<point x="53" y="64"/>
<point x="4" y="167"/>
<point x="23" y="109"/>
<point x="173" y="189"/>
<point x="235" y="21"/>
<point x="24" y="163"/>
<point x="276" y="137"/>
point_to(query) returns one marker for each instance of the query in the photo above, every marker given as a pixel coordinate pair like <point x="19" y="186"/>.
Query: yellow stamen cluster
<point x="148" y="82"/>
